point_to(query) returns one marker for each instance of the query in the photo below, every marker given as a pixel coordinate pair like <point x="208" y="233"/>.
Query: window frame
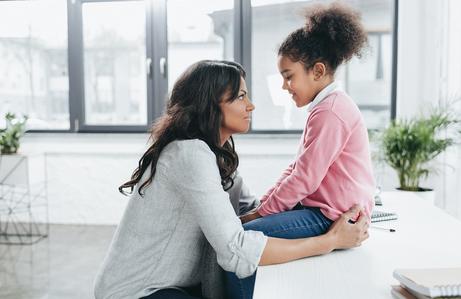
<point x="245" y="58"/>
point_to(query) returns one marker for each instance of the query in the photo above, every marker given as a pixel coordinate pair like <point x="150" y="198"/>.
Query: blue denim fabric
<point x="175" y="293"/>
<point x="301" y="222"/>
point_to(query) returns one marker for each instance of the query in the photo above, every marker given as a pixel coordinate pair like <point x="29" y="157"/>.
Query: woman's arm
<point x="195" y="178"/>
<point x="246" y="201"/>
<point x="342" y="234"/>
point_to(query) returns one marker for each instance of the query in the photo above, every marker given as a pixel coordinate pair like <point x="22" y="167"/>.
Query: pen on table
<point x="383" y="228"/>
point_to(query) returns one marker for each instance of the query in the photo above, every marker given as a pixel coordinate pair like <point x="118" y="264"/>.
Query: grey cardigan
<point x="185" y="223"/>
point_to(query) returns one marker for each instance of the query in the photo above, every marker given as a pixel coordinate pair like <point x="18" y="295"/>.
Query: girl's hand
<point x="347" y="234"/>
<point x="250" y="216"/>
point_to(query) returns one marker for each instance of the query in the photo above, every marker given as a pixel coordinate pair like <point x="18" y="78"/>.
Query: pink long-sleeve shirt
<point x="333" y="169"/>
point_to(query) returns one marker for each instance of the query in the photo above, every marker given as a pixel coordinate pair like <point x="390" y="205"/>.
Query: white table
<point x="425" y="236"/>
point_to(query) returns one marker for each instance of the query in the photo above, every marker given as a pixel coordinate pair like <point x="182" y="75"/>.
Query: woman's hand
<point x="250" y="216"/>
<point x="347" y="234"/>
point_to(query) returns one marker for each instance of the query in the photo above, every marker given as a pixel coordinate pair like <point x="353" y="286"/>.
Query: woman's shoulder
<point x="188" y="149"/>
<point x="188" y="145"/>
<point x="186" y="161"/>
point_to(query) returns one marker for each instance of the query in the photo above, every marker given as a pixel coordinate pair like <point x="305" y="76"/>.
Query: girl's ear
<point x="319" y="69"/>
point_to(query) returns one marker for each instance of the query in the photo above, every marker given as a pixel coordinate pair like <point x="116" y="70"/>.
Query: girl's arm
<point x="284" y="174"/>
<point x="325" y="137"/>
<point x="341" y="235"/>
<point x="252" y="214"/>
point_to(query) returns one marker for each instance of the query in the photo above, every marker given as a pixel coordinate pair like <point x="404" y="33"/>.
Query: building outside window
<point x="33" y="62"/>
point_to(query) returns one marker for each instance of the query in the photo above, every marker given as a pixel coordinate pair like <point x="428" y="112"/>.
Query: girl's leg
<point x="302" y="222"/>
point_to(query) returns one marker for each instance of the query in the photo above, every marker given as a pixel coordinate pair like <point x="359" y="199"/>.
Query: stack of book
<point x="427" y="283"/>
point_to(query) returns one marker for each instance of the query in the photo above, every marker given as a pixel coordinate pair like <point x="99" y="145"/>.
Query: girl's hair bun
<point x="333" y="34"/>
<point x="339" y="27"/>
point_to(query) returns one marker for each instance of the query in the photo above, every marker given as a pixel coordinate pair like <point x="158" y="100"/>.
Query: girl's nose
<point x="285" y="85"/>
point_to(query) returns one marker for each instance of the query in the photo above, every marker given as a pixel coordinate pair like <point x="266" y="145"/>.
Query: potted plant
<point x="9" y="137"/>
<point x="409" y="145"/>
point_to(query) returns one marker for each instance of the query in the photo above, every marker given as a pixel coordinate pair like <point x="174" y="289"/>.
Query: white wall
<point x="429" y="72"/>
<point x="419" y="55"/>
<point x="85" y="170"/>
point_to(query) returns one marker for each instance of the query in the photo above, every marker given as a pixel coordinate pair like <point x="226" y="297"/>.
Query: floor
<point x="61" y="266"/>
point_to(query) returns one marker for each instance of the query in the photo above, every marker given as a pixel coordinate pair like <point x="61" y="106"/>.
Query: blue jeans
<point x="186" y="293"/>
<point x="301" y="222"/>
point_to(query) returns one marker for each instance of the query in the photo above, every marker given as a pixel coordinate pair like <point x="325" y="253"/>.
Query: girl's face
<point x="301" y="84"/>
<point x="237" y="113"/>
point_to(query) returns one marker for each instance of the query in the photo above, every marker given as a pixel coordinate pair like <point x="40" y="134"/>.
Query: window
<point x="107" y="65"/>
<point x="198" y="30"/>
<point x="33" y="62"/>
<point x="367" y="81"/>
<point x="114" y="43"/>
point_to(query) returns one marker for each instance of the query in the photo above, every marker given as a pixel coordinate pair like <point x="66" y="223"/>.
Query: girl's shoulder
<point x="341" y="104"/>
<point x="338" y="104"/>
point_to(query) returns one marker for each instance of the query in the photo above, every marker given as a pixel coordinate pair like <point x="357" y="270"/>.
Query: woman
<point x="179" y="206"/>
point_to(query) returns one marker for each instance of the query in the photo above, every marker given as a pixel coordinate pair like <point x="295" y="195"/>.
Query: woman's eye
<point x="241" y="97"/>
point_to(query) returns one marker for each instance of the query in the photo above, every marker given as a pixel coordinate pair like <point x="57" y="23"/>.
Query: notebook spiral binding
<point x="449" y="290"/>
<point x="377" y="216"/>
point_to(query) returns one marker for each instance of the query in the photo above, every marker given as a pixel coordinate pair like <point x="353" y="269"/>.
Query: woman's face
<point x="237" y="113"/>
<point x="301" y="84"/>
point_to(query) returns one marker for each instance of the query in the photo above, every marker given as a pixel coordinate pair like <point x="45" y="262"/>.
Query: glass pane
<point x="368" y="80"/>
<point x="33" y="62"/>
<point x="114" y="41"/>
<point x="198" y="30"/>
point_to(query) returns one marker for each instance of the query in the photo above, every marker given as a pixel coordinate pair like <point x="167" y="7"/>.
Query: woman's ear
<point x="319" y="69"/>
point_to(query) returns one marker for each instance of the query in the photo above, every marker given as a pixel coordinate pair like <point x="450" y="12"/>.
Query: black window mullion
<point x="75" y="65"/>
<point x="159" y="54"/>
<point x="395" y="32"/>
<point x="149" y="60"/>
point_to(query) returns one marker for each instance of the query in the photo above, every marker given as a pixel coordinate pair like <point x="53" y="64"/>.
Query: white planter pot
<point x="22" y="170"/>
<point x="427" y="195"/>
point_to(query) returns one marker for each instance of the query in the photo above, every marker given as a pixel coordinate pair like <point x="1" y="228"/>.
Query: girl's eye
<point x="288" y="77"/>
<point x="241" y="97"/>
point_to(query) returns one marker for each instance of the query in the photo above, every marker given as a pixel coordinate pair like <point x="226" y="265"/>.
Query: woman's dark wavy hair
<point x="333" y="34"/>
<point x="193" y="112"/>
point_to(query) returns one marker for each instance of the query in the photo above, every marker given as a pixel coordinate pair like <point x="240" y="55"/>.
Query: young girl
<point x="332" y="171"/>
<point x="180" y="222"/>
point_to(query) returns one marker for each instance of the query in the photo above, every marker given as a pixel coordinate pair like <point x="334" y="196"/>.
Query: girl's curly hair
<point x="333" y="34"/>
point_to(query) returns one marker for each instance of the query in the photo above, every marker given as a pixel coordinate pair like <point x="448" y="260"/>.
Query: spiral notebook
<point x="436" y="282"/>
<point x="377" y="216"/>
